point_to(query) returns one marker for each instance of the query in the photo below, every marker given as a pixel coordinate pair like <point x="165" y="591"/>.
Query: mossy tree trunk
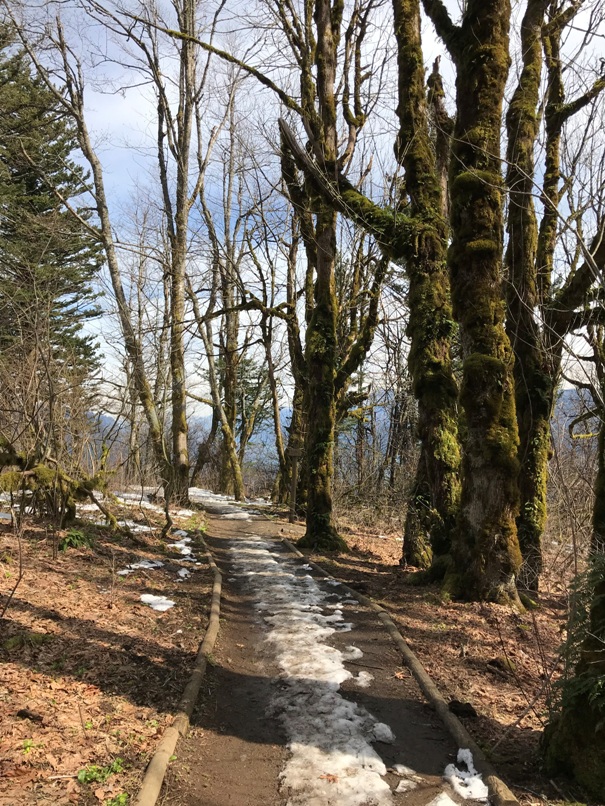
<point x="486" y="550"/>
<point x="574" y="742"/>
<point x="320" y="357"/>
<point x="320" y="346"/>
<point x="534" y="382"/>
<point x="419" y="241"/>
<point x="597" y="543"/>
<point x="531" y="259"/>
<point x="433" y="503"/>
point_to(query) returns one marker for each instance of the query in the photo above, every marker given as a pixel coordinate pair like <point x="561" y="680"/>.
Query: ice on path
<point x="329" y="737"/>
<point x="466" y="783"/>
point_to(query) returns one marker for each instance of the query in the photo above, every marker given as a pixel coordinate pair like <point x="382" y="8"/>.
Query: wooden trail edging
<point x="156" y="770"/>
<point x="499" y="793"/>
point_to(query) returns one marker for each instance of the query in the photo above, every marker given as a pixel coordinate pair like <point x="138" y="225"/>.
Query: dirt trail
<point x="237" y="747"/>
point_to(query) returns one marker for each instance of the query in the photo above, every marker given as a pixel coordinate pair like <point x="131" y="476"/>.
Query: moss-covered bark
<point x="320" y="347"/>
<point x="433" y="504"/>
<point x="320" y="357"/>
<point x="574" y="742"/>
<point x="597" y="544"/>
<point x="486" y="551"/>
<point x="534" y="383"/>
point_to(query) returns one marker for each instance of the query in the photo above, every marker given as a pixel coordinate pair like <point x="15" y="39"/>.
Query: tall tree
<point x="48" y="261"/>
<point x="541" y="312"/>
<point x="486" y="549"/>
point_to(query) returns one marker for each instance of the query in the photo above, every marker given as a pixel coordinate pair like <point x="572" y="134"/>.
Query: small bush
<point x="75" y="539"/>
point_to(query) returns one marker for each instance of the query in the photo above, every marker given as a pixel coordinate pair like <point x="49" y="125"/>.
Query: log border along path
<point x="331" y="737"/>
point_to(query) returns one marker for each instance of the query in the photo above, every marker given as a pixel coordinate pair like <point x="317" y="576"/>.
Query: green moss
<point x="45" y="476"/>
<point x="482" y="245"/>
<point x="10" y="481"/>
<point x="574" y="744"/>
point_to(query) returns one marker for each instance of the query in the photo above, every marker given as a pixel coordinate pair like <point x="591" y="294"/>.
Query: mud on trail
<point x="306" y="699"/>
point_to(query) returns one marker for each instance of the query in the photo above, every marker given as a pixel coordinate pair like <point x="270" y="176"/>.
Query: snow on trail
<point x="330" y="738"/>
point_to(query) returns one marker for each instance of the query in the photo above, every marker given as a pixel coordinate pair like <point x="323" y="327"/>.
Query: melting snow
<point x="332" y="759"/>
<point x="405" y="786"/>
<point x="181" y="546"/>
<point x="363" y="679"/>
<point x="142" y="564"/>
<point x="136" y="527"/>
<point x="466" y="783"/>
<point x="184" y="573"/>
<point x="442" y="799"/>
<point x="157" y="602"/>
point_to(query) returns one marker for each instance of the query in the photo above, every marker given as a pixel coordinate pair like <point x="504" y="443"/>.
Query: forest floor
<point x="90" y="676"/>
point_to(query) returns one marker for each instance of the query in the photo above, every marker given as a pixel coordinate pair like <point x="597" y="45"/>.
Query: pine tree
<point x="48" y="261"/>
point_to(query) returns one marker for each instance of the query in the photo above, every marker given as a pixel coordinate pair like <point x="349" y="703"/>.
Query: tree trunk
<point x="320" y="357"/>
<point x="433" y="505"/>
<point x="574" y="742"/>
<point x="534" y="382"/>
<point x="597" y="543"/>
<point x="486" y="549"/>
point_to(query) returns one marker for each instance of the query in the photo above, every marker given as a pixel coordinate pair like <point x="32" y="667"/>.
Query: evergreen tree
<point x="48" y="260"/>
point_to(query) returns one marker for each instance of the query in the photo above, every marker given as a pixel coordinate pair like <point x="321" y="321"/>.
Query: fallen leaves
<point x="80" y="685"/>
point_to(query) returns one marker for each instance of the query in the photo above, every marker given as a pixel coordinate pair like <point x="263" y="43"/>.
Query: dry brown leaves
<point x="88" y="673"/>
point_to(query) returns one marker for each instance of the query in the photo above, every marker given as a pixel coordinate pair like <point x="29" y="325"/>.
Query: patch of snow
<point x="405" y="786"/>
<point x="142" y="564"/>
<point x="237" y="516"/>
<point x="184" y="573"/>
<point x="466" y="782"/>
<point x="159" y="603"/>
<point x="442" y="799"/>
<point x="181" y="546"/>
<point x="180" y="533"/>
<point x="363" y="679"/>
<point x="401" y="769"/>
<point x="135" y="527"/>
<point x="352" y="653"/>
<point x="6" y="516"/>
<point x="383" y="733"/>
<point x="329" y="737"/>
<point x="184" y="513"/>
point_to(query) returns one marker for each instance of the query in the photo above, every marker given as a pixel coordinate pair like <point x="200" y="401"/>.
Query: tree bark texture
<point x="534" y="381"/>
<point x="486" y="550"/>
<point x="433" y="503"/>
